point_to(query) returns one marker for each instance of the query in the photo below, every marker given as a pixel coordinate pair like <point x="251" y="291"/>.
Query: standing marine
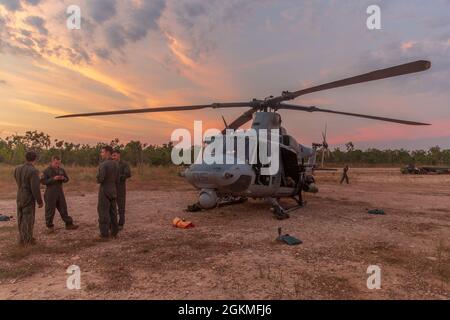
<point x="53" y="178"/>
<point x="107" y="177"/>
<point x="28" y="193"/>
<point x="124" y="174"/>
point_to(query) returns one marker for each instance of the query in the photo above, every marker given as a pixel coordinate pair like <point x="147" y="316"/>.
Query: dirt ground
<point x="232" y="252"/>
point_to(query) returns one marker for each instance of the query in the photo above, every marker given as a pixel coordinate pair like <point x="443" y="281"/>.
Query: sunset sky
<point x="148" y="53"/>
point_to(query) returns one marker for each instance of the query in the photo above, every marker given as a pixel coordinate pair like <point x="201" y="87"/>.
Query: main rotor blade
<point x="315" y="109"/>
<point x="243" y="119"/>
<point x="399" y="70"/>
<point x="160" y="109"/>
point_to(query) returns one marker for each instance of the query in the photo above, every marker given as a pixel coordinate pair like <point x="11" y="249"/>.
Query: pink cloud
<point x="387" y="132"/>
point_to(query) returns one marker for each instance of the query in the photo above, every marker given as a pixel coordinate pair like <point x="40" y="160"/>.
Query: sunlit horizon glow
<point x="135" y="54"/>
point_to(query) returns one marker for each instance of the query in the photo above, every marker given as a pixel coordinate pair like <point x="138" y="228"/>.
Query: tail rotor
<point x="325" y="145"/>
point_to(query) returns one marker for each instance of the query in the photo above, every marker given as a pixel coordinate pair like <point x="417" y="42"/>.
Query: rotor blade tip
<point x="425" y="64"/>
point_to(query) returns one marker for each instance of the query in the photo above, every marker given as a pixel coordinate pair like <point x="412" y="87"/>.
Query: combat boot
<point x="71" y="227"/>
<point x="50" y="230"/>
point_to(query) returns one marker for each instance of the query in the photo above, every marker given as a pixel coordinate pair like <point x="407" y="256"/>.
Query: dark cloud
<point x="38" y="23"/>
<point x="434" y="80"/>
<point x="11" y="5"/>
<point x="193" y="9"/>
<point x="141" y="20"/>
<point x="15" y="5"/>
<point x="189" y="11"/>
<point x="102" y="10"/>
<point x="115" y="36"/>
<point x="25" y="33"/>
<point x="36" y="45"/>
<point x="32" y="2"/>
<point x="27" y="42"/>
<point x="201" y="20"/>
<point x="78" y="54"/>
<point x="103" y="53"/>
<point x="438" y="23"/>
<point x="144" y="19"/>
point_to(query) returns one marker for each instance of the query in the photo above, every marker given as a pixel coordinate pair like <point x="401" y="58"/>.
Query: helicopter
<point x="224" y="184"/>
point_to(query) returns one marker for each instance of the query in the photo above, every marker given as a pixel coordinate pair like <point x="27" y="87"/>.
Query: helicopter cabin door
<point x="291" y="169"/>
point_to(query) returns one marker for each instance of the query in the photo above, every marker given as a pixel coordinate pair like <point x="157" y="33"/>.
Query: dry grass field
<point x="232" y="252"/>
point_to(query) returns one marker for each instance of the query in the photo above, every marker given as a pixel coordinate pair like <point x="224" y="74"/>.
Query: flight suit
<point x="28" y="193"/>
<point x="345" y="176"/>
<point x="107" y="177"/>
<point x="124" y="174"/>
<point x="54" y="196"/>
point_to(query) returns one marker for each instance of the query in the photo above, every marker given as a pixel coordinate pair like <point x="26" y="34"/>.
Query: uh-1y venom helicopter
<point x="232" y="183"/>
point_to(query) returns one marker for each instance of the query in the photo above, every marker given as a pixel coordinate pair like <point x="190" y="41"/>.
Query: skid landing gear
<point x="281" y="213"/>
<point x="229" y="201"/>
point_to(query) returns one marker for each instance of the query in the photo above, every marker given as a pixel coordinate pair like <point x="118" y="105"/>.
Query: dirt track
<point x="232" y="252"/>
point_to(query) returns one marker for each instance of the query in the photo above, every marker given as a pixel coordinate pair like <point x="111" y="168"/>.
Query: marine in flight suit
<point x="124" y="174"/>
<point x="107" y="177"/>
<point x="53" y="178"/>
<point x="345" y="175"/>
<point x="28" y="193"/>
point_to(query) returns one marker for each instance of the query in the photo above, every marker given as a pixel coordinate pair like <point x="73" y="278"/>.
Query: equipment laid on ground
<point x="412" y="169"/>
<point x="182" y="224"/>
<point x="4" y="218"/>
<point x="288" y="239"/>
<point x="233" y="183"/>
<point x="377" y="212"/>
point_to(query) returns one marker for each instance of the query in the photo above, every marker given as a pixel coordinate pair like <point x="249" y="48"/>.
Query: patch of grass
<point x="297" y="284"/>
<point x="236" y="289"/>
<point x="443" y="262"/>
<point x="116" y="273"/>
<point x="265" y="272"/>
<point x="156" y="177"/>
<point x="279" y="286"/>
<point x="6" y="173"/>
<point x="91" y="286"/>
<point x="7" y="229"/>
<point x="84" y="178"/>
<point x="19" y="271"/>
<point x="16" y="252"/>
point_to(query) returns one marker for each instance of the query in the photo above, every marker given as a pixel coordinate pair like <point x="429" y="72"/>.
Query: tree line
<point x="14" y="147"/>
<point x="351" y="155"/>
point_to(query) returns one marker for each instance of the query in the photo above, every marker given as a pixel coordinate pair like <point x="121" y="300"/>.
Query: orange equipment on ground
<point x="182" y="224"/>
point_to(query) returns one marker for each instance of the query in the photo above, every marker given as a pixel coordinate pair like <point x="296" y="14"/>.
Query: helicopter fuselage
<point x="216" y="181"/>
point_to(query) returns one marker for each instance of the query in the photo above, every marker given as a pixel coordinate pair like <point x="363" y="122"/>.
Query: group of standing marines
<point x="112" y="176"/>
